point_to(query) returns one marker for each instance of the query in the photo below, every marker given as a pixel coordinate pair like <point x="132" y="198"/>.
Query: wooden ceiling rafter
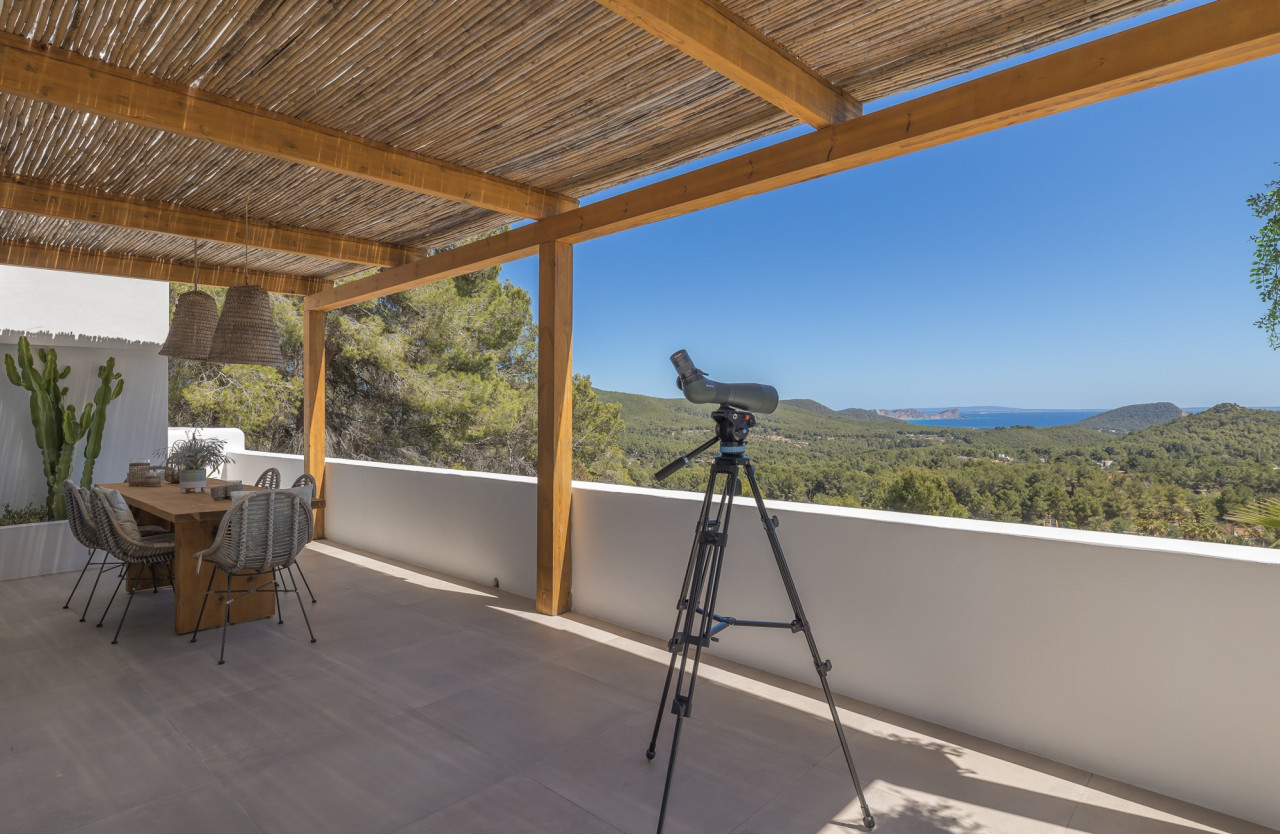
<point x="1202" y="39"/>
<point x="69" y="202"/>
<point x="59" y="77"/>
<point x="708" y="32"/>
<point x="71" y="259"/>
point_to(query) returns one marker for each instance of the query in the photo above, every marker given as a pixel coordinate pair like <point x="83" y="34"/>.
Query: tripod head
<point x="732" y="427"/>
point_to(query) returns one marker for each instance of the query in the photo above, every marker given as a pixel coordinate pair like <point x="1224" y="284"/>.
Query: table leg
<point x="140" y="576"/>
<point x="190" y="582"/>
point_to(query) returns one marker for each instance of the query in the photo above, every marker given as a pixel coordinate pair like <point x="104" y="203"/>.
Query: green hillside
<point x="847" y="413"/>
<point x="1131" y="418"/>
<point x="1173" y="479"/>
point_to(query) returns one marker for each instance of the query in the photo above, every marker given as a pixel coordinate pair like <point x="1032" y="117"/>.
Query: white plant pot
<point x="38" y="549"/>
<point x="192" y="480"/>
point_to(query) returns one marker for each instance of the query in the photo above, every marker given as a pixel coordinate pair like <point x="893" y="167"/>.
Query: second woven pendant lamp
<point x="195" y="317"/>
<point x="246" y="332"/>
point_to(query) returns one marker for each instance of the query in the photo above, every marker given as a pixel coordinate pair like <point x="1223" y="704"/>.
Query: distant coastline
<point x="911" y="414"/>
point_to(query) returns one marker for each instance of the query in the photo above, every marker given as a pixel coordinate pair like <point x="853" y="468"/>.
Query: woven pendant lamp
<point x="195" y="316"/>
<point x="246" y="332"/>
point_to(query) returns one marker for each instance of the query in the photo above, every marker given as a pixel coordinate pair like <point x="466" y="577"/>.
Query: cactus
<point x="94" y="417"/>
<point x="56" y="426"/>
<point x="46" y="410"/>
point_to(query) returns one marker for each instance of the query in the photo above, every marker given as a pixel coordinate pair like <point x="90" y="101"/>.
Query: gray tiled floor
<point x="430" y="706"/>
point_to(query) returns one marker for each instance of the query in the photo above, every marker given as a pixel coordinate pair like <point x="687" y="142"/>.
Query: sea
<point x="993" y="419"/>
<point x="977" y="418"/>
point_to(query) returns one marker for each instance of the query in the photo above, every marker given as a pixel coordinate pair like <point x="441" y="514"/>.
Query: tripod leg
<point x="683" y="604"/>
<point x="822" y="666"/>
<point x="706" y="577"/>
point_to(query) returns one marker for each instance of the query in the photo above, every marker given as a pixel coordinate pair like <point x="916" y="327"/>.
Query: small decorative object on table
<point x="138" y="470"/>
<point x="194" y="456"/>
<point x="222" y="492"/>
<point x="143" y="474"/>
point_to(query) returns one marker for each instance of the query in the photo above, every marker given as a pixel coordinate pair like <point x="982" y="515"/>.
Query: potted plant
<point x="194" y="457"/>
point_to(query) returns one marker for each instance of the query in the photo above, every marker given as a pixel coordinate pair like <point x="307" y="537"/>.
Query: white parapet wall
<point x="1150" y="661"/>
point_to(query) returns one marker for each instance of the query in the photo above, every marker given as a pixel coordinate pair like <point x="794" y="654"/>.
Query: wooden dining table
<point x="194" y="518"/>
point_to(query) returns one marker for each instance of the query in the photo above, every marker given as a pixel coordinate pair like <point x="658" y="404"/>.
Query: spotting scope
<point x="697" y="388"/>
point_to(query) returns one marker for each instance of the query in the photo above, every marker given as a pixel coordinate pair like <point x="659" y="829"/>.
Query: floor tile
<point x="279" y="715"/>
<point x="77" y="712"/>
<point x="525" y="717"/>
<point x="720" y="780"/>
<point x="204" y="810"/>
<point x="378" y="778"/>
<point x="515" y="804"/>
<point x="420" y="674"/>
<point x="56" y="787"/>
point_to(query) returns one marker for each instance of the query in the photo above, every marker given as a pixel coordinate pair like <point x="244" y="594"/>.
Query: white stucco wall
<point x="86" y="318"/>
<point x="1151" y="661"/>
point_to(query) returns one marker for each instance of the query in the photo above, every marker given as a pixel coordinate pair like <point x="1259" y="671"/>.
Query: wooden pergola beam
<point x="57" y="76"/>
<point x="69" y="202"/>
<point x="709" y="33"/>
<point x="67" y="259"/>
<point x="555" y="426"/>
<point x="313" y="410"/>
<point x="1202" y="39"/>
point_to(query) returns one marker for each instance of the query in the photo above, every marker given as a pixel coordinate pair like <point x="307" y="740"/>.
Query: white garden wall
<point x="86" y="318"/>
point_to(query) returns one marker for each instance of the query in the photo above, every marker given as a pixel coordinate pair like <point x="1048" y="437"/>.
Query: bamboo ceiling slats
<point x="55" y="232"/>
<point x="480" y="83"/>
<point x="905" y="45"/>
<point x="561" y="95"/>
<point x="91" y="152"/>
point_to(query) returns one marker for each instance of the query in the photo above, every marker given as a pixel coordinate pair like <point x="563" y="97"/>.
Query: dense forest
<point x="1176" y="479"/>
<point x="443" y="375"/>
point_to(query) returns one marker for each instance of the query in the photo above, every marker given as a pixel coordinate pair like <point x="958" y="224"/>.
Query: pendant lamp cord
<point x="246" y="240"/>
<point x="195" y="270"/>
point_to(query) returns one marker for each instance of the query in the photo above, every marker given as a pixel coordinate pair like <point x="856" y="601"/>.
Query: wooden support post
<point x="313" y="370"/>
<point x="555" y="425"/>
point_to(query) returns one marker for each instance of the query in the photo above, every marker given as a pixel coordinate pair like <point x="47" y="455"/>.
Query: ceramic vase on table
<point x="192" y="480"/>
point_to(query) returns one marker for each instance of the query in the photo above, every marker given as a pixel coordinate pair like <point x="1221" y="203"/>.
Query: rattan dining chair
<point x="84" y="532"/>
<point x="269" y="479"/>
<point x="305" y="480"/>
<point x="130" y="548"/>
<point x="259" y="536"/>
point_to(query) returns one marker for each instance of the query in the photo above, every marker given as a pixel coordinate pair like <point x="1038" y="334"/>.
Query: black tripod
<point x="696" y="620"/>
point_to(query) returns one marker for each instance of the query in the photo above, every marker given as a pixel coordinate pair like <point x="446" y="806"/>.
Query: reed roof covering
<point x="561" y="95"/>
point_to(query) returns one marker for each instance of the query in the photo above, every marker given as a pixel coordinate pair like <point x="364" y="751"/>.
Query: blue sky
<point x="1091" y="259"/>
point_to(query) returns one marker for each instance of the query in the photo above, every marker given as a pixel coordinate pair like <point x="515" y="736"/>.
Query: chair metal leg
<point x="226" y="615"/>
<point x="102" y="568"/>
<point x="155" y="580"/>
<point x="207" y="590"/>
<point x="127" y="603"/>
<point x="92" y="551"/>
<point x="305" y="583"/>
<point x="275" y="588"/>
<point x="111" y="601"/>
<point x="303" y="608"/>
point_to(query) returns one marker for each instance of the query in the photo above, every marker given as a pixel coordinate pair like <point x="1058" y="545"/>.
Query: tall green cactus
<point x="56" y="426"/>
<point x="94" y="418"/>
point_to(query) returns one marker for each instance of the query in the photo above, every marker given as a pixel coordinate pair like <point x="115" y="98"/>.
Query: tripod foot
<point x="869" y="821"/>
<point x="650" y="753"/>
